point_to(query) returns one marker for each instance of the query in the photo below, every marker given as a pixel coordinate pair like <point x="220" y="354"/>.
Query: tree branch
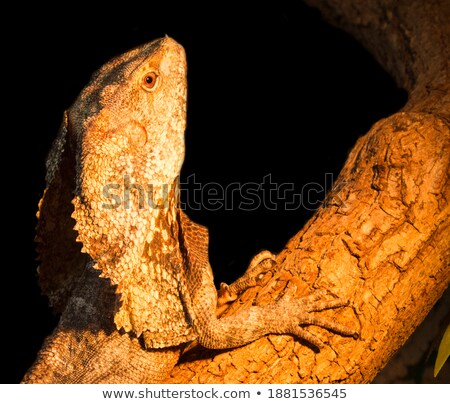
<point x="382" y="238"/>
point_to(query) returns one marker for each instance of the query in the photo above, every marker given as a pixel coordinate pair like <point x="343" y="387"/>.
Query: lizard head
<point x="130" y="119"/>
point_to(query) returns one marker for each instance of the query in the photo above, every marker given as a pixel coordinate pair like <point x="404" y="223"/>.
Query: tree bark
<point x="382" y="239"/>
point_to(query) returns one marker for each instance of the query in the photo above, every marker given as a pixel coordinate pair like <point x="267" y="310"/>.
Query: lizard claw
<point x="260" y="264"/>
<point x="225" y="294"/>
<point x="303" y="312"/>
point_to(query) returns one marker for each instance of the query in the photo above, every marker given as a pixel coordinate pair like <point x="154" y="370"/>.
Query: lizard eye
<point x="149" y="81"/>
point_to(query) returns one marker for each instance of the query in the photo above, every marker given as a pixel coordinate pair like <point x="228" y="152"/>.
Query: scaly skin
<point x="117" y="158"/>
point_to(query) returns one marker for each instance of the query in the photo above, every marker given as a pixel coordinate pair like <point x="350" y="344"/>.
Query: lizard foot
<point x="259" y="265"/>
<point x="303" y="312"/>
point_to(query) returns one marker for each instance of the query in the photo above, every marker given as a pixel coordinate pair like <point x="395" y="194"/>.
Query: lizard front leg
<point x="286" y="316"/>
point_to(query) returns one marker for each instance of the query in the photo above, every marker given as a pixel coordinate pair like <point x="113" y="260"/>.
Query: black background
<point x="271" y="91"/>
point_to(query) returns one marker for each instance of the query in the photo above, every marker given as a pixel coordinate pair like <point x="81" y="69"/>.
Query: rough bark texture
<point x="383" y="238"/>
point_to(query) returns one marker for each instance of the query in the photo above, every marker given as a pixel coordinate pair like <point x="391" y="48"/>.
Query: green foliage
<point x="443" y="351"/>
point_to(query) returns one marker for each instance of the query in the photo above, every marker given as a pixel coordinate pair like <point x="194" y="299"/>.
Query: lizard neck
<point x="124" y="220"/>
<point x="136" y="245"/>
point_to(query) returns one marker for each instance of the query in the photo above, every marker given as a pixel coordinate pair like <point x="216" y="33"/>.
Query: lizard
<point x="123" y="264"/>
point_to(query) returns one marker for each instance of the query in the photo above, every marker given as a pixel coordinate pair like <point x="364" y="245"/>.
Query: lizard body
<point x="126" y="267"/>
